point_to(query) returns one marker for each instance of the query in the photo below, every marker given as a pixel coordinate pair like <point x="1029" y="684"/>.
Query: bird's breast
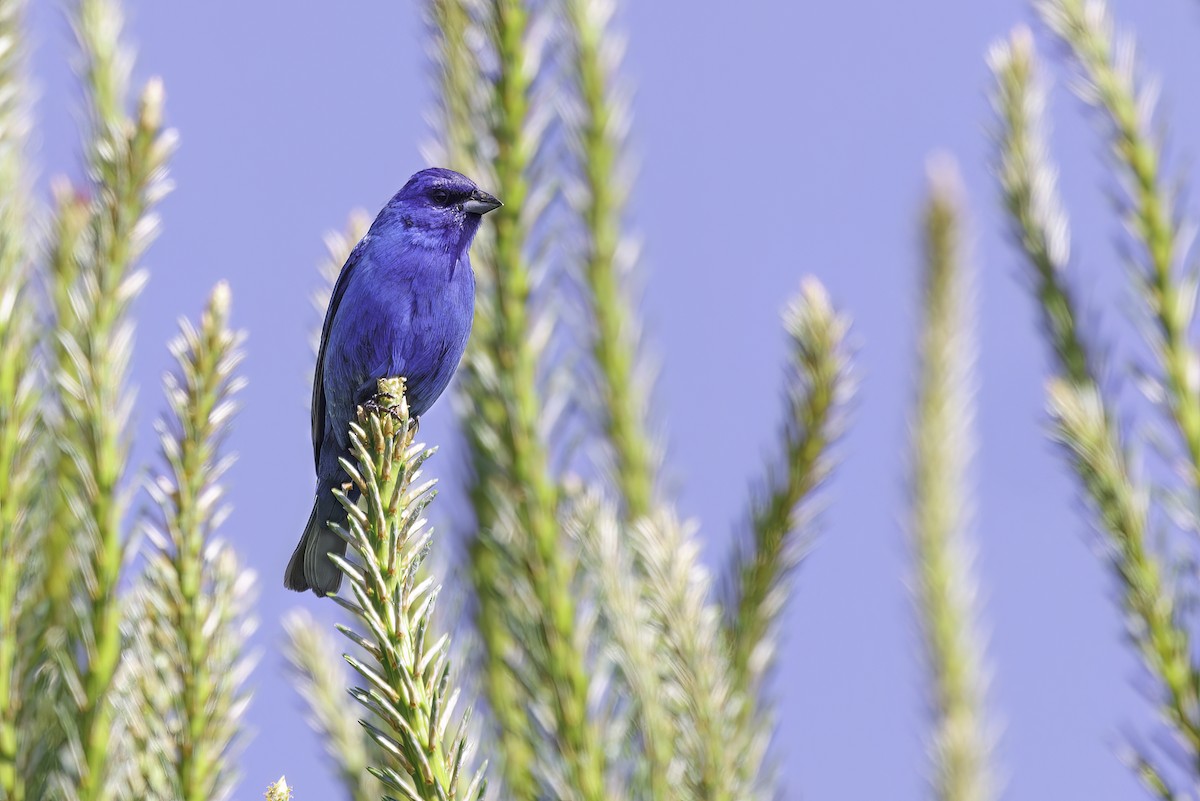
<point x="428" y="320"/>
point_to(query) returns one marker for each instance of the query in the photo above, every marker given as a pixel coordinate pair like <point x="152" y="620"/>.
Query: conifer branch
<point x="462" y="122"/>
<point x="1084" y="428"/>
<point x="404" y="663"/>
<point x="21" y="448"/>
<point x="818" y="388"/>
<point x="1080" y="408"/>
<point x="48" y="704"/>
<point x="1151" y="777"/>
<point x="516" y="129"/>
<point x="126" y="159"/>
<point x="942" y="439"/>
<point x="598" y="127"/>
<point x="1107" y="81"/>
<point x="514" y="494"/>
<point x="194" y="603"/>
<point x="279" y="791"/>
<point x="451" y="27"/>
<point x="319" y="676"/>
<point x="1028" y="180"/>
<point x="69" y="235"/>
<point x="637" y="644"/>
<point x="717" y="740"/>
<point x="696" y="735"/>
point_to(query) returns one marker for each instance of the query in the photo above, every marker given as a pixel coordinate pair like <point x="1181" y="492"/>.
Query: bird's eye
<point x="440" y="196"/>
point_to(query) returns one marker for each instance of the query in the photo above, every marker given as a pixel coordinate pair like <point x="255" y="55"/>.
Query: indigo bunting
<point x="402" y="306"/>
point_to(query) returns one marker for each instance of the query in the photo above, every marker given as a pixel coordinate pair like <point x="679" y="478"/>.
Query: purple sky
<point x="777" y="139"/>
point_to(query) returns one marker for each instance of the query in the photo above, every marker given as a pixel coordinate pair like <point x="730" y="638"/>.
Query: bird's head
<point x="441" y="204"/>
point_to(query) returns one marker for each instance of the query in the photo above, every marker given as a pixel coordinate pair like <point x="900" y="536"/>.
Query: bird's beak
<point x="481" y="203"/>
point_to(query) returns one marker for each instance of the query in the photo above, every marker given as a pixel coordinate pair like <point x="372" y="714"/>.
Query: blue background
<point x="776" y="139"/>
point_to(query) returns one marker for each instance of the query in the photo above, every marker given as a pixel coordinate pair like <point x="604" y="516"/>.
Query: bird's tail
<point x="310" y="566"/>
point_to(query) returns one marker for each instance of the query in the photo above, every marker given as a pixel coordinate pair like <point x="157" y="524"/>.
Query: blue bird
<point x="402" y="306"/>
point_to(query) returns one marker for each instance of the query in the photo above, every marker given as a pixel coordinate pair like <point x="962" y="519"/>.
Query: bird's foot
<point x="382" y="404"/>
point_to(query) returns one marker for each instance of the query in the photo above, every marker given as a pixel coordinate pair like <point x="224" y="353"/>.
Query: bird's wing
<point x="318" y="398"/>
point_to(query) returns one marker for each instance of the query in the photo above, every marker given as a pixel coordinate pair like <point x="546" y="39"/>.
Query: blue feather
<point x="402" y="306"/>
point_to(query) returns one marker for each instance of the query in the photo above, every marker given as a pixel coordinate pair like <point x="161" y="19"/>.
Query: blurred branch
<point x="1028" y="179"/>
<point x="407" y="671"/>
<point x="1106" y="63"/>
<point x="942" y="439"/>
<point x="20" y="395"/>
<point x="1082" y="413"/>
<point x="68" y="236"/>
<point x="1083" y="427"/>
<point x="461" y="126"/>
<point x="321" y="681"/>
<point x="598" y="128"/>
<point x="695" y="740"/>
<point x="518" y="122"/>
<point x="501" y="111"/>
<point x="1151" y="777"/>
<point x="637" y="644"/>
<point x="126" y="159"/>
<point x="194" y="600"/>
<point x="461" y="94"/>
<point x="818" y="389"/>
<point x="722" y="752"/>
<point x="48" y="704"/>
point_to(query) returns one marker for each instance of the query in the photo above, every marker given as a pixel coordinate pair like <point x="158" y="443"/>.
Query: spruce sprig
<point x="493" y="59"/>
<point x="1107" y="81"/>
<point x="318" y="674"/>
<point x="1085" y="430"/>
<point x="535" y="545"/>
<point x="193" y="597"/>
<point x="21" y="448"/>
<point x="721" y="748"/>
<point x="1082" y="409"/>
<point x="597" y="123"/>
<point x="404" y="663"/>
<point x="693" y="732"/>
<point x="629" y="628"/>
<point x="818" y="388"/>
<point x="944" y="587"/>
<point x="1028" y="180"/>
<point x="126" y="159"/>
<point x="462" y="124"/>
